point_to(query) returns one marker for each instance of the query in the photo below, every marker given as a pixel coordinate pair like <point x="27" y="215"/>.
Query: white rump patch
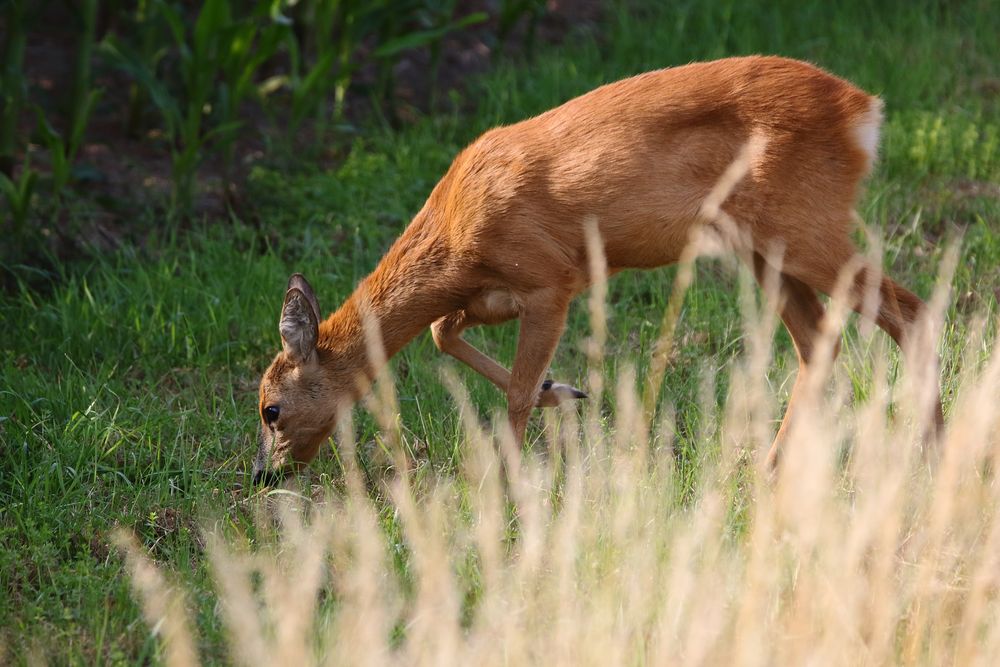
<point x="866" y="131"/>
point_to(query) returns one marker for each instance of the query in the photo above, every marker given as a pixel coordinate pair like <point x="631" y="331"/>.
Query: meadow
<point x="129" y="531"/>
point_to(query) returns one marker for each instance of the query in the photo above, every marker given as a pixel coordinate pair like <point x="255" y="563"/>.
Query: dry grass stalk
<point x="586" y="555"/>
<point x="162" y="605"/>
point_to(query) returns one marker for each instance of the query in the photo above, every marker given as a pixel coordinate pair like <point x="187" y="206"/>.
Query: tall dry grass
<point x="866" y="547"/>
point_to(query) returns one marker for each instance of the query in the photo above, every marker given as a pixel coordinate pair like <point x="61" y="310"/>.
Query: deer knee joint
<point x="446" y="329"/>
<point x="440" y="334"/>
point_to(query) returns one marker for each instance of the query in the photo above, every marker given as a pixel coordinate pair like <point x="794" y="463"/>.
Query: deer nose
<point x="261" y="475"/>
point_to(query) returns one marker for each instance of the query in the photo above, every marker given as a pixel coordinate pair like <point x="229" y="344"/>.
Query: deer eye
<point x="271" y="413"/>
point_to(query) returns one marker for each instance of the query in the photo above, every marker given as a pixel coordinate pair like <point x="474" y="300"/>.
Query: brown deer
<point x="502" y="235"/>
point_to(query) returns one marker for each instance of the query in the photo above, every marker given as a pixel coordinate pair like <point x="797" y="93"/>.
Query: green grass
<point x="128" y="382"/>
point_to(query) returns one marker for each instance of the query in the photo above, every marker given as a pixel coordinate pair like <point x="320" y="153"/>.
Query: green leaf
<point x="319" y="74"/>
<point x="213" y="18"/>
<point x="308" y="91"/>
<point x="80" y="121"/>
<point x="9" y="190"/>
<point x="129" y="62"/>
<point x="174" y="22"/>
<point x="18" y="194"/>
<point x="222" y="129"/>
<point x="423" y="37"/>
<point x="49" y="134"/>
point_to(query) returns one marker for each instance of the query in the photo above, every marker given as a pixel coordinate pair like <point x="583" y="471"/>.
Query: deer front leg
<point x="447" y="334"/>
<point x="542" y="322"/>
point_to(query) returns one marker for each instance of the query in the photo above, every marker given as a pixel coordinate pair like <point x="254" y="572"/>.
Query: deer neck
<point x="406" y="292"/>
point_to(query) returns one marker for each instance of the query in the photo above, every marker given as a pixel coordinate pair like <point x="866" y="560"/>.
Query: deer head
<point x="298" y="392"/>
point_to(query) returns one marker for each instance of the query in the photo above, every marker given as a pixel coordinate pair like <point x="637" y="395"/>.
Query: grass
<point x="128" y="381"/>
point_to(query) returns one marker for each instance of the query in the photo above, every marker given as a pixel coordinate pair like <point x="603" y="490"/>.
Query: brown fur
<point x="502" y="235"/>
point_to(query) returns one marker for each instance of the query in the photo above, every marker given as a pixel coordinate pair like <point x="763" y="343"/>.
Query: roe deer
<point x="502" y="235"/>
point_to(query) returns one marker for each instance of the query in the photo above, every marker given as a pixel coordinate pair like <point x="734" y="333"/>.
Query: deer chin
<point x="301" y="455"/>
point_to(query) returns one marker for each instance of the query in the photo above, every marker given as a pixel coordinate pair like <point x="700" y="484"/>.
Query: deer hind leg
<point x="447" y="334"/>
<point x="802" y="313"/>
<point x="898" y="312"/>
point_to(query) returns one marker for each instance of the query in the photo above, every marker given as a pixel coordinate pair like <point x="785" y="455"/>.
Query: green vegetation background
<point x="128" y="384"/>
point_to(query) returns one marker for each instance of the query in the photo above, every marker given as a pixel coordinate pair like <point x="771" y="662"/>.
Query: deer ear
<point x="299" y="326"/>
<point x="299" y="282"/>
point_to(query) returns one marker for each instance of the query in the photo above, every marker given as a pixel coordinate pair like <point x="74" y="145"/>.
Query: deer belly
<point x="644" y="243"/>
<point x="493" y="306"/>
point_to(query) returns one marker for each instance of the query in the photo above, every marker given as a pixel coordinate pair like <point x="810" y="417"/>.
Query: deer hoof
<point x="554" y="393"/>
